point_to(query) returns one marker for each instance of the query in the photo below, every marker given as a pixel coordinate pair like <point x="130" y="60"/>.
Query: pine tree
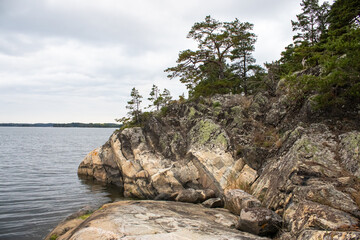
<point x="343" y="14"/>
<point x="219" y="44"/>
<point x="165" y="97"/>
<point x="311" y="22"/>
<point x="155" y="97"/>
<point x="134" y="105"/>
<point x="245" y="41"/>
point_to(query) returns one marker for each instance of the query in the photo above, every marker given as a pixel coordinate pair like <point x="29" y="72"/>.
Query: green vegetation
<point x="159" y="99"/>
<point x="222" y="62"/>
<point x="135" y="117"/>
<point x="54" y="237"/>
<point x="85" y="216"/>
<point x="327" y="52"/>
<point x="322" y="65"/>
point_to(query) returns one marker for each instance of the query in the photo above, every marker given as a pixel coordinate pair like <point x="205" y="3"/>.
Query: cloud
<point x="77" y="60"/>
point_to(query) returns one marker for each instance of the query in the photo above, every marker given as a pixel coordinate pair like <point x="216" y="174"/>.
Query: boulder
<point x="205" y="194"/>
<point x="259" y="221"/>
<point x="188" y="195"/>
<point x="236" y="199"/>
<point x="213" y="203"/>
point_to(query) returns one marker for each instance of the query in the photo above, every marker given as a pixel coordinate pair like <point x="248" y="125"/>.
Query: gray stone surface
<point x="157" y="220"/>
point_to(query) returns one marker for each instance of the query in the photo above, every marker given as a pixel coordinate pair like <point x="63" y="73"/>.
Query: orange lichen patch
<point x="264" y="226"/>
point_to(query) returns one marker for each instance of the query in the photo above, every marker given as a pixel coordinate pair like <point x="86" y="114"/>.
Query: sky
<point x="77" y="60"/>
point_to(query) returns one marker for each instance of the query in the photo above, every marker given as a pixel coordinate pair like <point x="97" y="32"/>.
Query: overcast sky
<point x="77" y="60"/>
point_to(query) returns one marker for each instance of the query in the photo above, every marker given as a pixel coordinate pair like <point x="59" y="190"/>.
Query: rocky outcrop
<point x="156" y="220"/>
<point x="264" y="148"/>
<point x="176" y="152"/>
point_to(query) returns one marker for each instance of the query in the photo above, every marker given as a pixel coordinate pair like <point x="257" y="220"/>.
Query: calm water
<point x="39" y="185"/>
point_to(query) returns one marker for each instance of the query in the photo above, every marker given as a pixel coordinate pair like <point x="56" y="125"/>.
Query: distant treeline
<point x="79" y="125"/>
<point x="88" y="125"/>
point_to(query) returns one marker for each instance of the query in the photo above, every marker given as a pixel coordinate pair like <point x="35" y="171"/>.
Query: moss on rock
<point x="206" y="132"/>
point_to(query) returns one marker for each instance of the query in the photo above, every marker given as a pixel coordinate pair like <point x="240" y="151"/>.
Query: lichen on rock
<point x="308" y="174"/>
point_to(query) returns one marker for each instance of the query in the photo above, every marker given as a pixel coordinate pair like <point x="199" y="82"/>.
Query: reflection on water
<point x="112" y="192"/>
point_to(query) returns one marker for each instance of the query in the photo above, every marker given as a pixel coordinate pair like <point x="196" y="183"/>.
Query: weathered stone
<point x="157" y="220"/>
<point x="316" y="234"/>
<point x="350" y="152"/>
<point x="259" y="221"/>
<point x="246" y="177"/>
<point x="205" y="194"/>
<point x="209" y="144"/>
<point x="70" y="223"/>
<point x="306" y="215"/>
<point x="166" y="196"/>
<point x="214" y="166"/>
<point x="213" y="203"/>
<point x="237" y="199"/>
<point x="188" y="195"/>
<point x="100" y="164"/>
<point x="327" y="194"/>
<point x="277" y="111"/>
<point x="254" y="156"/>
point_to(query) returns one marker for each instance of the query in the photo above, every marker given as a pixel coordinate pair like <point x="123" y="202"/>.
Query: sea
<point x="39" y="185"/>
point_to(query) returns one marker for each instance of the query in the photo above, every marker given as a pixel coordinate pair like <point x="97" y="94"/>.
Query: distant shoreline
<point x="76" y="125"/>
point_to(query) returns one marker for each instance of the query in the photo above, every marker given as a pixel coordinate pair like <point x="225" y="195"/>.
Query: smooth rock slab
<point x="158" y="220"/>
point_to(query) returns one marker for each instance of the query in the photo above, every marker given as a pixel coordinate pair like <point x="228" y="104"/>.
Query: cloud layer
<point x="77" y="60"/>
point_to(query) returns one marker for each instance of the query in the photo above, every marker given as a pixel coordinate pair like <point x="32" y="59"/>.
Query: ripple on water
<point x="39" y="185"/>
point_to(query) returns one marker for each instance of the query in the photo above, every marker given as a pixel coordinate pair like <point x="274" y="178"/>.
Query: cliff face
<point x="305" y="169"/>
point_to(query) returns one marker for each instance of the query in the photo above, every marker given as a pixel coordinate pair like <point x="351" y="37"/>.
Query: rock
<point x="277" y="111"/>
<point x="166" y="196"/>
<point x="213" y="203"/>
<point x="70" y="223"/>
<point x="205" y="194"/>
<point x="307" y="171"/>
<point x="310" y="215"/>
<point x="237" y="199"/>
<point x="316" y="234"/>
<point x="100" y="165"/>
<point x="259" y="221"/>
<point x="157" y="220"/>
<point x="247" y="176"/>
<point x="63" y="228"/>
<point x="193" y="196"/>
<point x="350" y="151"/>
<point x="254" y="156"/>
<point x="188" y="195"/>
<point x="327" y="194"/>
<point x="302" y="183"/>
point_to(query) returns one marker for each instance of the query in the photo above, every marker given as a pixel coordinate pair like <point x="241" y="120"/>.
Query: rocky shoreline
<point x="281" y="170"/>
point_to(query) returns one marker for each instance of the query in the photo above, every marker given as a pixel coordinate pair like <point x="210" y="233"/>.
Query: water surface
<point x="39" y="185"/>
